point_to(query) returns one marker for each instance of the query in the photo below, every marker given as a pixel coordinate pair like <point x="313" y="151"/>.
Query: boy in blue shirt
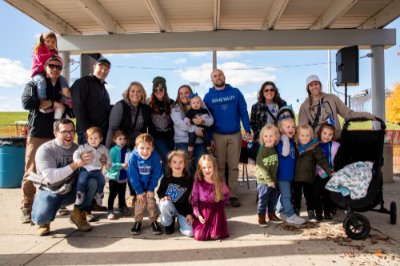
<point x="144" y="171"/>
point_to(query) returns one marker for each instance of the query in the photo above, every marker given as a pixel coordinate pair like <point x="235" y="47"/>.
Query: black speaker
<point x="87" y="62"/>
<point x="347" y="66"/>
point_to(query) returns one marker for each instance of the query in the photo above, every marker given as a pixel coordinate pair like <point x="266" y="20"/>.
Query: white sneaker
<point x="99" y="198"/>
<point x="295" y="219"/>
<point x="281" y="215"/>
<point x="80" y="196"/>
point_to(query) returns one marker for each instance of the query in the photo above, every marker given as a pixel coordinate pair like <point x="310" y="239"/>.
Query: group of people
<point x="188" y="148"/>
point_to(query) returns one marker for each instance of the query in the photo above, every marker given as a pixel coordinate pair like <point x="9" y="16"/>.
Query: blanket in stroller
<point x="353" y="180"/>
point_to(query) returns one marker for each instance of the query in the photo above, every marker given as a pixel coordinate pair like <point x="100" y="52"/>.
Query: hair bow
<point x="192" y="95"/>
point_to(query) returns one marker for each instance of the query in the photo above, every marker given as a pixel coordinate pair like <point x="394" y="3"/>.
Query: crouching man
<point x="54" y="164"/>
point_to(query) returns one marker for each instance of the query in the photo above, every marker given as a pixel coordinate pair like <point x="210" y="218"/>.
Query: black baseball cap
<point x="103" y="61"/>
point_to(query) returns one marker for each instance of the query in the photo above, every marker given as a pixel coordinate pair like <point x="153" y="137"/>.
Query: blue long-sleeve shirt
<point x="287" y="163"/>
<point x="228" y="107"/>
<point x="144" y="174"/>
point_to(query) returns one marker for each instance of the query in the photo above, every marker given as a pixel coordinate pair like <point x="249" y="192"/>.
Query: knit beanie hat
<point x="312" y="78"/>
<point x="159" y="82"/>
<point x="283" y="109"/>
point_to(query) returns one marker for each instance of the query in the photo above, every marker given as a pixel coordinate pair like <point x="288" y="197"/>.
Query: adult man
<point x="55" y="165"/>
<point x="228" y="106"/>
<point x="40" y="126"/>
<point x="91" y="102"/>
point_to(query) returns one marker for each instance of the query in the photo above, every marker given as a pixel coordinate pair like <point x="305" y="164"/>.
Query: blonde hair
<point x="199" y="175"/>
<point x="181" y="154"/>
<point x="144" y="138"/>
<point x="93" y="130"/>
<point x="304" y="127"/>
<point x="281" y="121"/>
<point x="40" y="41"/>
<point x="269" y="127"/>
<point x="125" y="94"/>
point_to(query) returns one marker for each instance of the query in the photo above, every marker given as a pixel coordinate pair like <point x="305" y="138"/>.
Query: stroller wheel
<point x="393" y="212"/>
<point x="356" y="226"/>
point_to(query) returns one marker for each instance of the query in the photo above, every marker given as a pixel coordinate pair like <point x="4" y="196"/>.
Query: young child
<point x="174" y="193"/>
<point x="196" y="110"/>
<point x="93" y="170"/>
<point x="209" y="198"/>
<point x="45" y="48"/>
<point x="330" y="147"/>
<point x="266" y="170"/>
<point x="144" y="171"/>
<point x="286" y="166"/>
<point x="117" y="174"/>
<point x="309" y="155"/>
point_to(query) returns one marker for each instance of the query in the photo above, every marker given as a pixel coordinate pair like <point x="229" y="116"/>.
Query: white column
<point x="214" y="59"/>
<point x="378" y="81"/>
<point x="65" y="72"/>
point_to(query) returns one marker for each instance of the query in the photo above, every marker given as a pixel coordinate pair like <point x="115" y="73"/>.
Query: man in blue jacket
<point x="228" y="107"/>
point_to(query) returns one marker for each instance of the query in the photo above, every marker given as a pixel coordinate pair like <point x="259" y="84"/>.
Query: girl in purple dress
<point x="209" y="197"/>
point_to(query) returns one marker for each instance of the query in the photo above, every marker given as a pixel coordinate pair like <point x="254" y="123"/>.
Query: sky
<point x="246" y="70"/>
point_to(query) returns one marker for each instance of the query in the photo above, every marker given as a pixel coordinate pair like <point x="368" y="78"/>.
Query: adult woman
<point x="161" y="126"/>
<point x="130" y="114"/>
<point x="181" y="129"/>
<point x="319" y="107"/>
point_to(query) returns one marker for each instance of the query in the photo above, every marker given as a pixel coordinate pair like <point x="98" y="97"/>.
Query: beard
<point x="220" y="84"/>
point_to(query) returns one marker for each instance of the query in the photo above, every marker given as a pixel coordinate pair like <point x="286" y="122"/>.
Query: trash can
<point x="12" y="161"/>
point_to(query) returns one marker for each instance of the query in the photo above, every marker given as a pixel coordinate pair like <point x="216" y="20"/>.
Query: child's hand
<point x="140" y="198"/>
<point x="273" y="185"/>
<point x="125" y="166"/>
<point x="165" y="198"/>
<point x="189" y="219"/>
<point x="150" y="194"/>
<point x="108" y="166"/>
<point x="201" y="219"/>
<point x="87" y="157"/>
<point x="66" y="92"/>
<point x="332" y="174"/>
<point x="60" y="106"/>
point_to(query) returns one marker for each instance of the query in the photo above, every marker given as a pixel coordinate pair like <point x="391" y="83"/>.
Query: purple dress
<point x="216" y="225"/>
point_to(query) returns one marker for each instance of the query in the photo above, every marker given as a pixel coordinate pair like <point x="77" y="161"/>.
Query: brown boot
<point x="273" y="218"/>
<point x="43" y="230"/>
<point x="261" y="220"/>
<point x="78" y="218"/>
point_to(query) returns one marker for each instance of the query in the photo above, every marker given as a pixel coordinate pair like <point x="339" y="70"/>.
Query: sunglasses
<point x="159" y="89"/>
<point x="269" y="90"/>
<point x="58" y="67"/>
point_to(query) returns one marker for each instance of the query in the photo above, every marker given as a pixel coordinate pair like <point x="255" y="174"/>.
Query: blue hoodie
<point x="228" y="107"/>
<point x="286" y="164"/>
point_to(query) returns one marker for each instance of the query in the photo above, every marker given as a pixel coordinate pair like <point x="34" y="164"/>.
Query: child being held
<point x="174" y="193"/>
<point x="45" y="48"/>
<point x="266" y="170"/>
<point x="309" y="155"/>
<point x="117" y="174"/>
<point x="144" y="171"/>
<point x="330" y="147"/>
<point x="209" y="198"/>
<point x="196" y="110"/>
<point x="93" y="170"/>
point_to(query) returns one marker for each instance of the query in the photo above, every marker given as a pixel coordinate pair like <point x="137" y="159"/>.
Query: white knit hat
<point x="312" y="78"/>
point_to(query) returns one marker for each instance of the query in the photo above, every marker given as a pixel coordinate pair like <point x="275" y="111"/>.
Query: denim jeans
<point x="85" y="176"/>
<point x="286" y="197"/>
<point x="198" y="151"/>
<point x="168" y="212"/>
<point x="46" y="203"/>
<point x="163" y="147"/>
<point x="40" y="82"/>
<point x="266" y="199"/>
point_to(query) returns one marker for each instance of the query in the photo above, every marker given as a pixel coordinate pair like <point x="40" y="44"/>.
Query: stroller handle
<point x="363" y="119"/>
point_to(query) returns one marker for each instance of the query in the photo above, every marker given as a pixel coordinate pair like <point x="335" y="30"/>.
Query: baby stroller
<point x="362" y="145"/>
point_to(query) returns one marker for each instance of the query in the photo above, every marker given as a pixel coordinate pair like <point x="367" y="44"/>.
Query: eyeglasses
<point x="67" y="132"/>
<point x="269" y="90"/>
<point x="52" y="66"/>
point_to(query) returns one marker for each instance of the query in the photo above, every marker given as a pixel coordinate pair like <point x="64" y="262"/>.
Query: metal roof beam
<point x="99" y="14"/>
<point x="44" y="16"/>
<point x="383" y="17"/>
<point x="217" y="13"/>
<point x="335" y="11"/>
<point x="158" y="15"/>
<point x="275" y="12"/>
<point x="227" y="41"/>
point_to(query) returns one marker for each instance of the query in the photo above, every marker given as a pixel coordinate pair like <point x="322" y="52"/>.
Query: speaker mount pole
<point x="345" y="93"/>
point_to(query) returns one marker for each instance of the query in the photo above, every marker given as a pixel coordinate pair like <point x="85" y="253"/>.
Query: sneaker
<point x="80" y="197"/>
<point x="124" y="211"/>
<point x="63" y="211"/>
<point x="98" y="208"/>
<point x="280" y="215"/>
<point x="311" y="216"/>
<point x="26" y="216"/>
<point x="274" y="219"/>
<point x="170" y="229"/>
<point x="235" y="202"/>
<point x="136" y="228"/>
<point x="328" y="216"/>
<point x="99" y="198"/>
<point x="295" y="219"/>
<point x="43" y="230"/>
<point x="111" y="215"/>
<point x="156" y="228"/>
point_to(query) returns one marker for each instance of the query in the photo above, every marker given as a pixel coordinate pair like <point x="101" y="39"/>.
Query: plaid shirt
<point x="260" y="117"/>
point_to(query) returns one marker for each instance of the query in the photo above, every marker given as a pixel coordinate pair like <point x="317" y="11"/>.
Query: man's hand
<point x="140" y="198"/>
<point x="125" y="166"/>
<point x="150" y="194"/>
<point x="248" y="136"/>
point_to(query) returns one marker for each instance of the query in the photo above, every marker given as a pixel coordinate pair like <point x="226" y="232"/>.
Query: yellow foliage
<point x="393" y="105"/>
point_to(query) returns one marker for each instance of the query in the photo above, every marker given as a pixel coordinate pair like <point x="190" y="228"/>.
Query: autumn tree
<point x="393" y="105"/>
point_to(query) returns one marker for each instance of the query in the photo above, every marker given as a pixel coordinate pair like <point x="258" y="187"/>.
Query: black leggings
<point x="322" y="199"/>
<point x="119" y="189"/>
<point x="300" y="188"/>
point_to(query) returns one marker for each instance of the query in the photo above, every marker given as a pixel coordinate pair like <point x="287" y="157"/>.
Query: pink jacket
<point x="40" y="58"/>
<point x="334" y="149"/>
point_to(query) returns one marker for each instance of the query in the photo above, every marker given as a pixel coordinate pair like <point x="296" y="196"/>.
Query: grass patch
<point x="9" y="118"/>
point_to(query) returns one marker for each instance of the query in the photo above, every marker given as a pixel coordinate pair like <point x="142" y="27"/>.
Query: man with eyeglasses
<point x="40" y="125"/>
<point x="54" y="163"/>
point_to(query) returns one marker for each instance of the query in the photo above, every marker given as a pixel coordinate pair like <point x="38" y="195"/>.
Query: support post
<point x="378" y="81"/>
<point x="66" y="70"/>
